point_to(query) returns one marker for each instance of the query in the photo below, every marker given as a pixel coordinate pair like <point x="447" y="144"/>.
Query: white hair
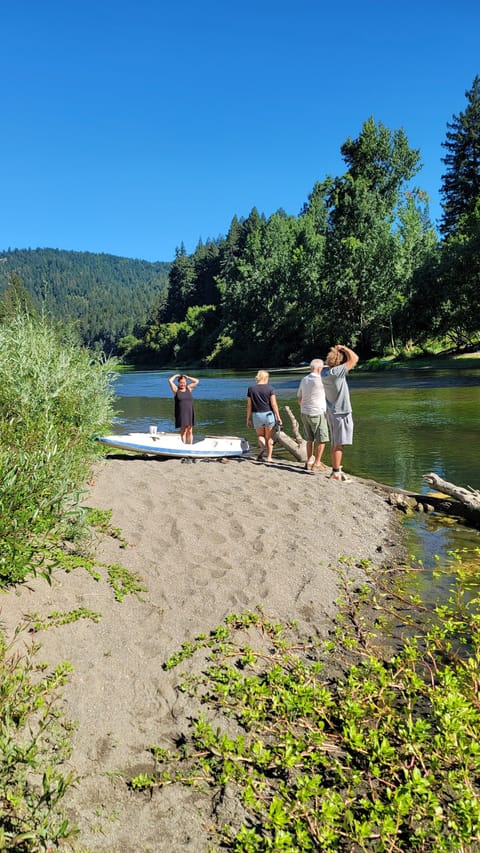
<point x="316" y="364"/>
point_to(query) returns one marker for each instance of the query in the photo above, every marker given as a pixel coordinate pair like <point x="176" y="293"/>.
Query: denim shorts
<point x="263" y="419"/>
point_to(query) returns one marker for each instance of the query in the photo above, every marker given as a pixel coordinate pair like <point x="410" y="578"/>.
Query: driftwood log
<point x="297" y="445"/>
<point x="470" y="497"/>
<point x="466" y="498"/>
<point x="450" y="499"/>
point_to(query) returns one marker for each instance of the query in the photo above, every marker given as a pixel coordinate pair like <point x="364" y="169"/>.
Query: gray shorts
<point x="263" y="419"/>
<point x="341" y="428"/>
<point x="315" y="427"/>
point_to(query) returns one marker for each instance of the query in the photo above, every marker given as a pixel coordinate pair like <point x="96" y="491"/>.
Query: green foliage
<point x="54" y="398"/>
<point x="443" y="292"/>
<point x="342" y="746"/>
<point x="461" y="181"/>
<point x="100" y="519"/>
<point x="15" y="299"/>
<point x="445" y="299"/>
<point x="124" y="582"/>
<point x="105" y="296"/>
<point x="279" y="290"/>
<point x="220" y="354"/>
<point x="377" y="237"/>
<point x="128" y="346"/>
<point x="56" y="618"/>
<point x="34" y="744"/>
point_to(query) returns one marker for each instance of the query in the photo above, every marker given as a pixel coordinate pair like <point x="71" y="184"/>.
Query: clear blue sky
<point x="131" y="127"/>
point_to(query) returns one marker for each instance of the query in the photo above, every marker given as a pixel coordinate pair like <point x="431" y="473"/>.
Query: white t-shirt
<point x="312" y="392"/>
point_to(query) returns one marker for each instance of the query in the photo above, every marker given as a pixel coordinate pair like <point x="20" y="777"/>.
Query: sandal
<point x="339" y="477"/>
<point x="320" y="467"/>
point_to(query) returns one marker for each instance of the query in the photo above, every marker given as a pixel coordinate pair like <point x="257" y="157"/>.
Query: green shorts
<point x="315" y="427"/>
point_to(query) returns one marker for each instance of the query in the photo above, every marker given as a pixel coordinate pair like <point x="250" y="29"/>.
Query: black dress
<point x="184" y="413"/>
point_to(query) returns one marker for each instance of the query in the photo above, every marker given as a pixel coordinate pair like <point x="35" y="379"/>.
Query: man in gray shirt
<point x="340" y="360"/>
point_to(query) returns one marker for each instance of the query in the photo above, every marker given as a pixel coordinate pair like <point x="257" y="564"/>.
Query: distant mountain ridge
<point x="106" y="296"/>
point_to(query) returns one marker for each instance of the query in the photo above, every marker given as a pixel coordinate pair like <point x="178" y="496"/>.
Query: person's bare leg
<point x="189" y="435"/>
<point x="319" y="454"/>
<point x="262" y="446"/>
<point x="269" y="443"/>
<point x="337" y="455"/>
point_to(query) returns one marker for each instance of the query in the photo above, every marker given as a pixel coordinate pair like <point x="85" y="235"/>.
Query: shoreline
<point x="206" y="540"/>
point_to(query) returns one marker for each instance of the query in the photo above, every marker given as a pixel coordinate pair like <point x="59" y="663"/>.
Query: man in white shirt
<point x="311" y="398"/>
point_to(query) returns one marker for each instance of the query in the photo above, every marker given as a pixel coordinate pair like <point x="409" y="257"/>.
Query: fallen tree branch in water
<point x="297" y="445"/>
<point x="450" y="499"/>
<point x="467" y="497"/>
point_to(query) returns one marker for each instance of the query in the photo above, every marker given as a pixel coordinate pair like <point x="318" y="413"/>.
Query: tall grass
<point x="55" y="396"/>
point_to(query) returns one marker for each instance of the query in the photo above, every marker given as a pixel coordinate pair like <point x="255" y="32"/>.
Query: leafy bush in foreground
<point x="379" y="753"/>
<point x="55" y="396"/>
<point x="34" y="742"/>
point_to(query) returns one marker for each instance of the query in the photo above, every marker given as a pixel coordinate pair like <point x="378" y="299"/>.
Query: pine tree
<point x="16" y="299"/>
<point x="461" y="181"/>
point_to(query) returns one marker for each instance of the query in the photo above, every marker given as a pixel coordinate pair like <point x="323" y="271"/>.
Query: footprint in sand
<point x="148" y="503"/>
<point x="218" y="573"/>
<point x="176" y="534"/>
<point x="239" y="598"/>
<point x="257" y="574"/>
<point x="236" y="530"/>
<point x="217" y="538"/>
<point x="219" y="564"/>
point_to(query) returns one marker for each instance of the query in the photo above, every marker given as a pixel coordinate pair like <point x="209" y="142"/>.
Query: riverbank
<point x="206" y="540"/>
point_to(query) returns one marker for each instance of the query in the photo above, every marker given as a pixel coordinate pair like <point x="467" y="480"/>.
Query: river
<point x="407" y="423"/>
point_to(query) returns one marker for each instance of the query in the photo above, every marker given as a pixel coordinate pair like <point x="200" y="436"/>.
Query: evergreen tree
<point x="367" y="250"/>
<point x="461" y="181"/>
<point x="454" y="304"/>
<point x="16" y="299"/>
<point x="181" y="286"/>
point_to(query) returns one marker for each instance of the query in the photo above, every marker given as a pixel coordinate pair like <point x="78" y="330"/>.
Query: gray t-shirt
<point x="336" y="389"/>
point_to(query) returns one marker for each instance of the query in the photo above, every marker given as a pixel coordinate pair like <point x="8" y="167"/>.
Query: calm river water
<point x="407" y="423"/>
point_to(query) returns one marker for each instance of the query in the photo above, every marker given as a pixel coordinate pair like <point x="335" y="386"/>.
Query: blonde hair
<point x="334" y="357"/>
<point x="262" y="376"/>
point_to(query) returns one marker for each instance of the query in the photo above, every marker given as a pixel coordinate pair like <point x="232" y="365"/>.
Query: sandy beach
<point x="207" y="539"/>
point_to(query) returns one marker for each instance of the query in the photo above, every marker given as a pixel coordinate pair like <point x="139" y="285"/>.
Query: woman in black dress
<point x="184" y="413"/>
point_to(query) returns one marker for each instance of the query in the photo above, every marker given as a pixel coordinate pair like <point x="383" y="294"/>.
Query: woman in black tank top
<point x="263" y="414"/>
<point x="184" y="411"/>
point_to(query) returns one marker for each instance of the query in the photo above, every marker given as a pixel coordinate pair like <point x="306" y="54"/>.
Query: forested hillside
<point x="107" y="297"/>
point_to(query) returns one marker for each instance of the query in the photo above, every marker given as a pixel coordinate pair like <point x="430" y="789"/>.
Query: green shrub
<point x="344" y="746"/>
<point x="55" y="396"/>
<point x="34" y="743"/>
